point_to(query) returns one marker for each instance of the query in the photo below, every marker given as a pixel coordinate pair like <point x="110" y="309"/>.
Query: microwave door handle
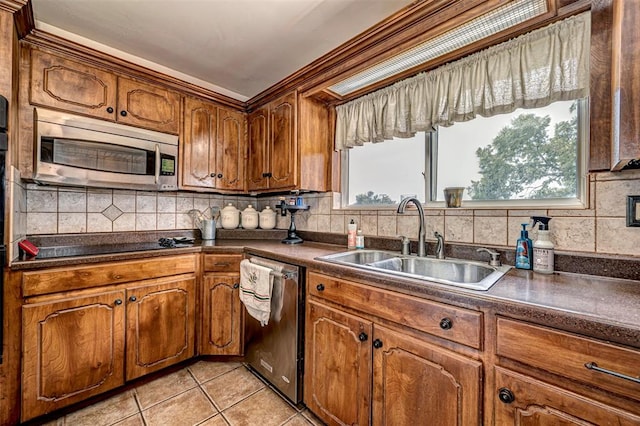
<point x="157" y="175"/>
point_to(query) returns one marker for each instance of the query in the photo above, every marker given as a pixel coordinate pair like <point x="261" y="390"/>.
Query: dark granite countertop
<point x="605" y="308"/>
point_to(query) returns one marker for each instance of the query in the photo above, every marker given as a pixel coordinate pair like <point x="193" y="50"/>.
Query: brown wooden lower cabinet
<point x="160" y="324"/>
<point x="413" y="382"/>
<point x="337" y="377"/>
<point x="418" y="383"/>
<point x="521" y="400"/>
<point x="221" y="315"/>
<point x="72" y="349"/>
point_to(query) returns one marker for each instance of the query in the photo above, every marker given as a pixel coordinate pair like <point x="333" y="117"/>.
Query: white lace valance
<point x="531" y="71"/>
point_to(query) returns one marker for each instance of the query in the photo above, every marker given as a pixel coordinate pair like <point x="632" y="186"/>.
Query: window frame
<point x="431" y="143"/>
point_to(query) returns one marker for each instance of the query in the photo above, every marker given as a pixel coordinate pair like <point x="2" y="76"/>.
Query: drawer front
<point x="74" y="278"/>
<point x="222" y="262"/>
<point x="568" y="354"/>
<point x="448" y="322"/>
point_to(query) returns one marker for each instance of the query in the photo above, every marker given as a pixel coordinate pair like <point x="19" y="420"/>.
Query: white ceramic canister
<point x="230" y="217"/>
<point x="249" y="218"/>
<point x="267" y="218"/>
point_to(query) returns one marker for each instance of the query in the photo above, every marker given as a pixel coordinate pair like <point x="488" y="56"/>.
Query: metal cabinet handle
<point x="213" y="174"/>
<point x="118" y="302"/>
<point x="109" y="110"/>
<point x="446" y="324"/>
<point x="320" y="287"/>
<point x="133" y="299"/>
<point x="363" y="337"/>
<point x="219" y="175"/>
<point x="377" y="343"/>
<point x="506" y="395"/>
<point x="123" y="113"/>
<point x="236" y="285"/>
<point x="593" y="366"/>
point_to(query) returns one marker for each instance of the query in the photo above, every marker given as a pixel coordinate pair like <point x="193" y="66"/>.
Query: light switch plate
<point x="633" y="210"/>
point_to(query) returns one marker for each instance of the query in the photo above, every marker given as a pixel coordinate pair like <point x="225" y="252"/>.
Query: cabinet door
<point x="144" y="105"/>
<point x="231" y="150"/>
<point x="198" y="144"/>
<point x="258" y="153"/>
<point x="626" y="84"/>
<point x="72" y="86"/>
<point x="72" y="349"/>
<point x="337" y="375"/>
<point x="418" y="383"/>
<point x="523" y="401"/>
<point x="160" y="324"/>
<point x="221" y="315"/>
<point x="283" y="143"/>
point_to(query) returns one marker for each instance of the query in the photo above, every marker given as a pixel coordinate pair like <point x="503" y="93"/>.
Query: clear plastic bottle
<point x="359" y="239"/>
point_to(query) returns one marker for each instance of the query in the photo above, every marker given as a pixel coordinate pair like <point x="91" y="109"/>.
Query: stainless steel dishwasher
<point x="276" y="350"/>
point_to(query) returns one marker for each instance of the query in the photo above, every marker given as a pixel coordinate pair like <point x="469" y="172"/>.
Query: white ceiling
<point x="236" y="47"/>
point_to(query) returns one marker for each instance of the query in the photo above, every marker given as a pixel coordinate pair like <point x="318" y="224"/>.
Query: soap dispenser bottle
<point x="351" y="234"/>
<point x="524" y="249"/>
<point x="543" y="256"/>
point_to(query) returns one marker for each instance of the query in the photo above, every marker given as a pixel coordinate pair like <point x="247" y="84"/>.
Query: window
<point x="525" y="158"/>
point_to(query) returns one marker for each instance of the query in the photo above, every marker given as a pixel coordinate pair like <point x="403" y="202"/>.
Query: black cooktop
<point x="89" y="250"/>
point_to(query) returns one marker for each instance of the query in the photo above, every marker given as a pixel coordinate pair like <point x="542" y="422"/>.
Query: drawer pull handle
<point x="320" y="287"/>
<point x="363" y="337"/>
<point x="593" y="366"/>
<point x="118" y="302"/>
<point x="377" y="343"/>
<point x="133" y="299"/>
<point x="506" y="395"/>
<point x="446" y="324"/>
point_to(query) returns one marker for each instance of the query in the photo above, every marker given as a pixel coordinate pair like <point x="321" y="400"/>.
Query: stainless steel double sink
<point x="456" y="272"/>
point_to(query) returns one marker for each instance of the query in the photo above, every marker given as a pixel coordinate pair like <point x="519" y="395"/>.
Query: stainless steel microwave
<point x="81" y="151"/>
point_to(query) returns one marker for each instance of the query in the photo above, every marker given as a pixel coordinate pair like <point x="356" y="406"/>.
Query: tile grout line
<point x="135" y="398"/>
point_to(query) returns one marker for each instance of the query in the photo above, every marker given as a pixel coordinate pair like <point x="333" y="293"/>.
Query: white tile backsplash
<point x="601" y="229"/>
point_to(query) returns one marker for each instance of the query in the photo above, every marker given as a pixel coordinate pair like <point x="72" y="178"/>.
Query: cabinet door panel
<point x="72" y="86"/>
<point x="537" y="403"/>
<point x="72" y="349"/>
<point x="160" y="325"/>
<point x="199" y="144"/>
<point x="257" y="163"/>
<point x="418" y="383"/>
<point x="144" y="105"/>
<point x="230" y="146"/>
<point x="283" y="153"/>
<point x="338" y="365"/>
<point x="221" y="315"/>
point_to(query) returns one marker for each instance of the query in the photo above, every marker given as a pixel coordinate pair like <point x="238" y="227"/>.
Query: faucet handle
<point x="495" y="256"/>
<point x="406" y="245"/>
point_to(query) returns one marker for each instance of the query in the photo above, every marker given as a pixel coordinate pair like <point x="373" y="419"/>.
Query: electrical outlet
<point x="633" y="210"/>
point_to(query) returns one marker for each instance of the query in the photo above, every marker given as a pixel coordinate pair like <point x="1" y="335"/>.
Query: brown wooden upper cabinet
<point x="76" y="87"/>
<point x="625" y="88"/>
<point x="212" y="147"/>
<point x="289" y="145"/>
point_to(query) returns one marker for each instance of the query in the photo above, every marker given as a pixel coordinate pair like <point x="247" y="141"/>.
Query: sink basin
<point x="360" y="257"/>
<point x="457" y="272"/>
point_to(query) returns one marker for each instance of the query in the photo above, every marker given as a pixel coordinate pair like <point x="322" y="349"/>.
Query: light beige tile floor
<point x="205" y="393"/>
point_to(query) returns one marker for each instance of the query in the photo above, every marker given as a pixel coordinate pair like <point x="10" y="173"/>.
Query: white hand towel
<point x="277" y="290"/>
<point x="256" y="283"/>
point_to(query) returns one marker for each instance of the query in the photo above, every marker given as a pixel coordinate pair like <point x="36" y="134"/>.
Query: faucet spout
<point x="422" y="250"/>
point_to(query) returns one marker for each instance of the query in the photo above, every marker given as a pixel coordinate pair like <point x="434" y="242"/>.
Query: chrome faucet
<point x="422" y="250"/>
<point x="439" y="245"/>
